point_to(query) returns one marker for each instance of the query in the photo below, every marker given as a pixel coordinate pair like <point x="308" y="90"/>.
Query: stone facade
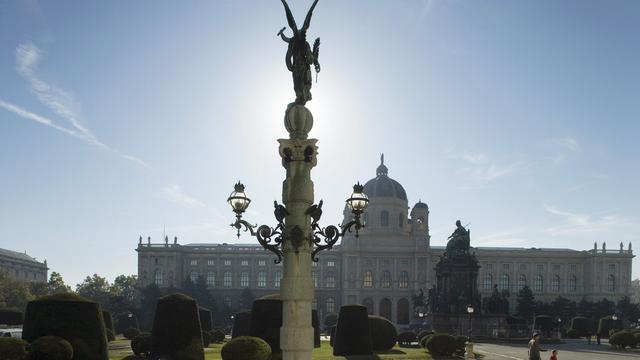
<point x="391" y="260"/>
<point x="21" y="266"/>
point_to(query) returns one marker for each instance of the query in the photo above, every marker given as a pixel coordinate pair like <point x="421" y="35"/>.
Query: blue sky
<point x="119" y="119"/>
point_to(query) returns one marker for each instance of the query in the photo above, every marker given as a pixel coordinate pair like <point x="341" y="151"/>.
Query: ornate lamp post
<point x="468" y="351"/>
<point x="297" y="237"/>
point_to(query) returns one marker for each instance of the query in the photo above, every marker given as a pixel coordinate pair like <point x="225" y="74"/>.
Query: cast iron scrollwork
<point x="270" y="238"/>
<point x="330" y="234"/>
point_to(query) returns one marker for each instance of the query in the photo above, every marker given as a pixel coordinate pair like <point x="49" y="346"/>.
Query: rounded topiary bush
<point x="12" y="348"/>
<point x="246" y="348"/>
<point x="406" y="338"/>
<point x="126" y="321"/>
<point x="383" y="334"/>
<point x="71" y="317"/>
<point x="241" y="324"/>
<point x="266" y="321"/>
<point x="423" y="333"/>
<point x="622" y="339"/>
<point x="353" y="336"/>
<point x="423" y="340"/>
<point x="217" y="336"/>
<point x="10" y="316"/>
<point x="206" y="339"/>
<point x="50" y="348"/>
<point x="461" y="341"/>
<point x="141" y="344"/>
<point x="441" y="344"/>
<point x="206" y="324"/>
<point x="176" y="330"/>
<point x="130" y="333"/>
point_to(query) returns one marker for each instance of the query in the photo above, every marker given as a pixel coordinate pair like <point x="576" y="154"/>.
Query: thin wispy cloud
<point x="580" y="224"/>
<point x="564" y="146"/>
<point x="58" y="101"/>
<point x="174" y="193"/>
<point x="568" y="143"/>
<point x="480" y="168"/>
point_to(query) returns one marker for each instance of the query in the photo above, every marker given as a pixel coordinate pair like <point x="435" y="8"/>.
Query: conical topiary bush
<point x="126" y="321"/>
<point x="241" y="324"/>
<point x="352" y="336"/>
<point x="266" y="321"/>
<point x="206" y="324"/>
<point x="176" y="330"/>
<point x="71" y="317"/>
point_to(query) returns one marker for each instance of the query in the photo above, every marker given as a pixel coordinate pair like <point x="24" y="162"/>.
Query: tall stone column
<point x="296" y="290"/>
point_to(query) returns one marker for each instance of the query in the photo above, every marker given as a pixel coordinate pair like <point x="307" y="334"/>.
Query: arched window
<point x="277" y="279"/>
<point x="193" y="276"/>
<point x="385" y="308"/>
<point x="522" y="281"/>
<point x="330" y="305"/>
<point x="386" y="279"/>
<point x="403" y="282"/>
<point x="504" y="282"/>
<point x="555" y="284"/>
<point x="368" y="303"/>
<point x="573" y="283"/>
<point x="228" y="280"/>
<point x="403" y="311"/>
<point x="400" y="220"/>
<point x="158" y="278"/>
<point x="244" y="279"/>
<point x="262" y="279"/>
<point x="611" y="283"/>
<point x="384" y="218"/>
<point x="314" y="276"/>
<point x="487" y="282"/>
<point x="538" y="283"/>
<point x="368" y="279"/>
<point x="211" y="279"/>
<point x="330" y="281"/>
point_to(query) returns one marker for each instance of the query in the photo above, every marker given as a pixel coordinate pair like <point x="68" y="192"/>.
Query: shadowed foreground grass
<point x="120" y="348"/>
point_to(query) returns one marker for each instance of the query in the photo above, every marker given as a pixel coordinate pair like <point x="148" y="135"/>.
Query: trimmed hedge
<point x="543" y="323"/>
<point x="126" y="321"/>
<point x="71" y="317"/>
<point x="461" y="341"/>
<point x="316" y="328"/>
<point x="246" y="348"/>
<point x="206" y="339"/>
<point x="131" y="333"/>
<point x="582" y="326"/>
<point x="176" y="330"/>
<point x="141" y="344"/>
<point x="572" y="334"/>
<point x="206" y="324"/>
<point x="406" y="338"/>
<point x="110" y="335"/>
<point x="50" y="348"/>
<point x="217" y="336"/>
<point x="108" y="320"/>
<point x="623" y="339"/>
<point x="12" y="348"/>
<point x="606" y="324"/>
<point x="241" y="324"/>
<point x="332" y="335"/>
<point x="441" y="344"/>
<point x="353" y="336"/>
<point x="383" y="334"/>
<point x="423" y="341"/>
<point x="10" y="316"/>
<point x="330" y="320"/>
<point x="266" y="321"/>
<point x="423" y="333"/>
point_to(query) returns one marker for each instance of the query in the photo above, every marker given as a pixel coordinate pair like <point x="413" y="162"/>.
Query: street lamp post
<point x="297" y="237"/>
<point x="468" y="351"/>
<point x="559" y="330"/>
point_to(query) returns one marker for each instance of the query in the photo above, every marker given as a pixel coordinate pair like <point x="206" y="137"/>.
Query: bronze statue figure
<point x="459" y="241"/>
<point x="299" y="55"/>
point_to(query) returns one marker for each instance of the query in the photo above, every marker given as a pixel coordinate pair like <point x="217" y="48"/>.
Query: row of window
<point x="212" y="262"/>
<point x="384" y="218"/>
<point x="385" y="280"/>
<point x="538" y="283"/>
<point x="539" y="267"/>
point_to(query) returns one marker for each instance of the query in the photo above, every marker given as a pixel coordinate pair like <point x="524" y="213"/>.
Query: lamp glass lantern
<point x="614" y="317"/>
<point x="470" y="309"/>
<point x="358" y="200"/>
<point x="238" y="200"/>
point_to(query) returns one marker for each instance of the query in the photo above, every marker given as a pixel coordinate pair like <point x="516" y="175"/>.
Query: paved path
<point x="571" y="350"/>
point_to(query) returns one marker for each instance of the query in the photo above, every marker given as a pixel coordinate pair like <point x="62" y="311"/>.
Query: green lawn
<point x="120" y="348"/>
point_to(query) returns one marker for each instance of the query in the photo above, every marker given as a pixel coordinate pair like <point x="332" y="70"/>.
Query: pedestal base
<point x="468" y="351"/>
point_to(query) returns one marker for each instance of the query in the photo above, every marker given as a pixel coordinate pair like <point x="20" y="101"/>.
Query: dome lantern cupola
<point x="382" y="186"/>
<point x="382" y="169"/>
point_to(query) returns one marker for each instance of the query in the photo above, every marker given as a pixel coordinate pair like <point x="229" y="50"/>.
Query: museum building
<point x="20" y="266"/>
<point x="391" y="260"/>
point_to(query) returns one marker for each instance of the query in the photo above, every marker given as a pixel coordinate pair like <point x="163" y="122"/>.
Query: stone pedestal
<point x="296" y="291"/>
<point x="468" y="351"/>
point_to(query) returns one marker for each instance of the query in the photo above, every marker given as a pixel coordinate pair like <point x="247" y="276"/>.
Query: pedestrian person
<point x="534" y="347"/>
<point x="554" y="355"/>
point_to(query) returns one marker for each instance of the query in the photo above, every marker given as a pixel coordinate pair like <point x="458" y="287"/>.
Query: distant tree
<point x="148" y="300"/>
<point x="587" y="309"/>
<point x="563" y="308"/>
<point x="97" y="289"/>
<point x="14" y="293"/>
<point x="123" y="294"/>
<point x="627" y="310"/>
<point x="525" y="306"/>
<point x="497" y="303"/>
<point x="39" y="288"/>
<point x="605" y="307"/>
<point x="246" y="299"/>
<point x="56" y="284"/>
